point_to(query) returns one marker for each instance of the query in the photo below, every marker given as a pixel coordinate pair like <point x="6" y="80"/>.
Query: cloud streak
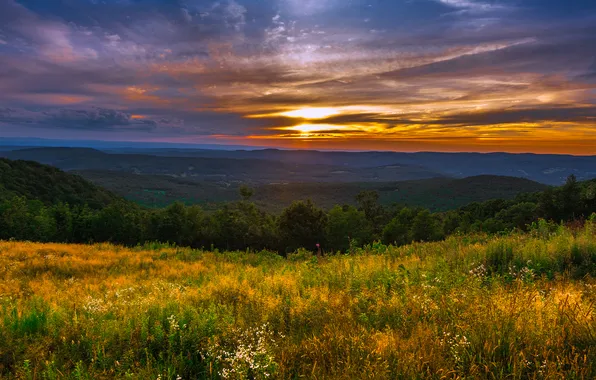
<point x="224" y="71"/>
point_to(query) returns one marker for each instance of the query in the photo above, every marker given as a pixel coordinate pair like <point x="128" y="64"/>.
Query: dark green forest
<point x="41" y="203"/>
<point x="436" y="194"/>
<point x="49" y="185"/>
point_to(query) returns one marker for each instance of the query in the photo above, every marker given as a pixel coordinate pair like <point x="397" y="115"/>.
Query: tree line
<point x="242" y="225"/>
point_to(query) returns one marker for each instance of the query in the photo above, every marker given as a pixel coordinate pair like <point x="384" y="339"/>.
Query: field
<point x="519" y="306"/>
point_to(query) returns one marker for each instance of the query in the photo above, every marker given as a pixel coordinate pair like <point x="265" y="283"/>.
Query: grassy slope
<point x="520" y="306"/>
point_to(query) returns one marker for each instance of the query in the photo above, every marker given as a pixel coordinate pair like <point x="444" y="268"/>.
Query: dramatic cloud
<point x="515" y="75"/>
<point x="94" y="118"/>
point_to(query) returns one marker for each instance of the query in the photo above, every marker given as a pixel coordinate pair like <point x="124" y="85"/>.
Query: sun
<point x="311" y="113"/>
<point x="310" y="128"/>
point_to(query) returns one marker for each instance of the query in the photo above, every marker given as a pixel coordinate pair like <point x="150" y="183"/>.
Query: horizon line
<point x="124" y="144"/>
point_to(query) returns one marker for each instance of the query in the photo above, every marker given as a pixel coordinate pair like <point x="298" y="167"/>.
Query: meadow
<point x="516" y="306"/>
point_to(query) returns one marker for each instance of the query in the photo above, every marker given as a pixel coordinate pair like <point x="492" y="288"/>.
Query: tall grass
<point x="517" y="306"/>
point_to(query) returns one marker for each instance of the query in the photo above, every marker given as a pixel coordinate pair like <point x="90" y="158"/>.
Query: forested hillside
<point x="436" y="194"/>
<point x="37" y="206"/>
<point x="267" y="166"/>
<point x="545" y="168"/>
<point x="227" y="170"/>
<point x="49" y="185"/>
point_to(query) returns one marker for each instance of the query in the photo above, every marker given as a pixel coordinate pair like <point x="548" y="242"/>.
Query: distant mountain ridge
<point x="437" y="194"/>
<point x="228" y="169"/>
<point x="278" y="166"/>
<point x="100" y="188"/>
<point x="546" y="168"/>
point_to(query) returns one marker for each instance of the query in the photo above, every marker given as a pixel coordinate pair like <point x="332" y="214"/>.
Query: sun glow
<point x="311" y="113"/>
<point x="320" y="113"/>
<point x="310" y="128"/>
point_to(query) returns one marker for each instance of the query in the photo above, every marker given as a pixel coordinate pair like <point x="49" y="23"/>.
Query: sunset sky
<point x="404" y="75"/>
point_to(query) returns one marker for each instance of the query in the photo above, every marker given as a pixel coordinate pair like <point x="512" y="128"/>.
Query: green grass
<point x="519" y="306"/>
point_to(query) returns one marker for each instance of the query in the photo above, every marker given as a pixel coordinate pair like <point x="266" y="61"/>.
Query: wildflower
<point x="456" y="344"/>
<point x="174" y="325"/>
<point x="479" y="272"/>
<point x="247" y="355"/>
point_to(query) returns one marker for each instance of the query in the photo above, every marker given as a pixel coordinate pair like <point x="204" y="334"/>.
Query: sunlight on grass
<point x="518" y="306"/>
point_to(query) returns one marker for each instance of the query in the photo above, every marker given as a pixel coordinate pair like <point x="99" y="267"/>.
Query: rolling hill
<point x="99" y="188"/>
<point x="50" y="185"/>
<point x="437" y="194"/>
<point x="262" y="166"/>
<point x="227" y="170"/>
<point x="545" y="168"/>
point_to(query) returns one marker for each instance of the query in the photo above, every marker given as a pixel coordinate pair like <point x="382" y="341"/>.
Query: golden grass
<point x="456" y="309"/>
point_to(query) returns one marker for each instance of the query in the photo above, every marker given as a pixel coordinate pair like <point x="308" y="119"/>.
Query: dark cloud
<point x="575" y="114"/>
<point x="94" y="118"/>
<point x="87" y="119"/>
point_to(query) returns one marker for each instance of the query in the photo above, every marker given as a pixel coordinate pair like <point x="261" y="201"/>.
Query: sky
<point x="402" y="75"/>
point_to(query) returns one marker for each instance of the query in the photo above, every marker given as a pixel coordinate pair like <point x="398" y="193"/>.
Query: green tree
<point x="242" y="225"/>
<point x="490" y="225"/>
<point x="517" y="216"/>
<point x="168" y="225"/>
<point x="347" y="227"/>
<point x="246" y="192"/>
<point x="452" y="222"/>
<point x="425" y="227"/>
<point x="22" y="219"/>
<point x="45" y="228"/>
<point x="398" y="230"/>
<point x="589" y="198"/>
<point x="547" y="205"/>
<point x="120" y="222"/>
<point x="83" y="224"/>
<point x="302" y="225"/>
<point x="63" y="220"/>
<point x="368" y="202"/>
<point x="571" y="198"/>
<point x="16" y="221"/>
<point x="194" y="228"/>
